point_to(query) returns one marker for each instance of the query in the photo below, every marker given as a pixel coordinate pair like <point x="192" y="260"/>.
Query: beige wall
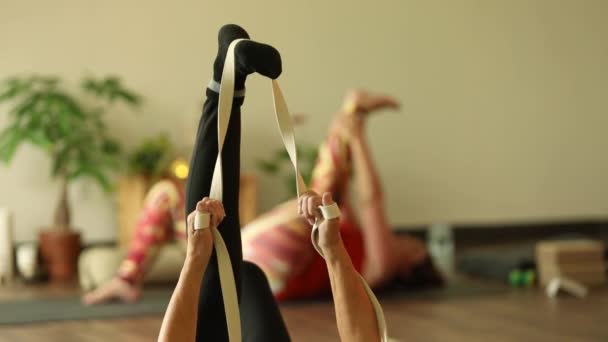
<point x="504" y="102"/>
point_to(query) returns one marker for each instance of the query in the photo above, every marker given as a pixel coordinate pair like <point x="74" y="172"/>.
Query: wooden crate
<point x="579" y="260"/>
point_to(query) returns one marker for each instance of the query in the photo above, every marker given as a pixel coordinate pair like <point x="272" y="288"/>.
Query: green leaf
<point x="70" y="108"/>
<point x="91" y="85"/>
<point x="39" y="138"/>
<point x="96" y="175"/>
<point x="129" y="97"/>
<point x="101" y="179"/>
<point x="14" y="87"/>
<point x="267" y="166"/>
<point x="26" y="107"/>
<point x="152" y="156"/>
<point x="111" y="89"/>
<point x="282" y="155"/>
<point x="290" y="184"/>
<point x="311" y="153"/>
<point x="10" y="90"/>
<point x="307" y="157"/>
<point x="64" y="124"/>
<point x="49" y="81"/>
<point x="60" y="162"/>
<point x="110" y="146"/>
<point x="10" y="139"/>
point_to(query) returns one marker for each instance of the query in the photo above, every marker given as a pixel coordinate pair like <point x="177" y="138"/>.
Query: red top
<point x="314" y="280"/>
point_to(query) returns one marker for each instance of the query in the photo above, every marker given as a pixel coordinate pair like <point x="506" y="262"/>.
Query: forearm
<point x="355" y="315"/>
<point x="179" y="323"/>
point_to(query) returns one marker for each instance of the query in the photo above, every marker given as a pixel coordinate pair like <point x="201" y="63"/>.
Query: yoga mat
<point x="36" y="310"/>
<point x="154" y="302"/>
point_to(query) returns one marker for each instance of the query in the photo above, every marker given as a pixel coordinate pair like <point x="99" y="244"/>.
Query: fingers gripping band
<point x="330" y="212"/>
<point x="201" y="220"/>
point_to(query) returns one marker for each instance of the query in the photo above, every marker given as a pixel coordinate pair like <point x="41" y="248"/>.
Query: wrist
<point x="192" y="274"/>
<point x="197" y="259"/>
<point x="332" y="251"/>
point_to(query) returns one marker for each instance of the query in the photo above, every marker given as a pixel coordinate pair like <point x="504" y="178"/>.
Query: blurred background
<point x="504" y="102"/>
<point x="500" y="135"/>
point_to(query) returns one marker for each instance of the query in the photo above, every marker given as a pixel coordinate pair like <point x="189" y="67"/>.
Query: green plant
<point x="152" y="156"/>
<point x="280" y="165"/>
<point x="68" y="127"/>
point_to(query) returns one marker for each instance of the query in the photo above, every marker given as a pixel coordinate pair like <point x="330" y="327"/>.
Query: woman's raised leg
<point x="250" y="57"/>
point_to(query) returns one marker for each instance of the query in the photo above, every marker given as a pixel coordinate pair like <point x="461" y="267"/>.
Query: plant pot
<point x="59" y="250"/>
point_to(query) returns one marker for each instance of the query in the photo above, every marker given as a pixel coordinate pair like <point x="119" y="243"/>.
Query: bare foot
<point x="350" y="122"/>
<point x="113" y="289"/>
<point x="363" y="102"/>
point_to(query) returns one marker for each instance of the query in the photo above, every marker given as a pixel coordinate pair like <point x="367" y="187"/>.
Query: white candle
<point x="6" y="246"/>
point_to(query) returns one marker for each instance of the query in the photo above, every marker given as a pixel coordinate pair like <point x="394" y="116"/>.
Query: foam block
<point x="578" y="260"/>
<point x="568" y="285"/>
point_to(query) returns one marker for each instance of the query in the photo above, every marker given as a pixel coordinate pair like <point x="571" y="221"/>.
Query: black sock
<point x="250" y="56"/>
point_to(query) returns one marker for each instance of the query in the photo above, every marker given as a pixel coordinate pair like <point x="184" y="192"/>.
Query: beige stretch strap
<point x="229" y="295"/>
<point x="285" y="123"/>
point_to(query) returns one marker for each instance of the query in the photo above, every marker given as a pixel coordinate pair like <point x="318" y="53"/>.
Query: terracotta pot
<point x="59" y="251"/>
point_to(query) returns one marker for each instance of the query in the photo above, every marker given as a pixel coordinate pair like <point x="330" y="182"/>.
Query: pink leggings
<point x="161" y="221"/>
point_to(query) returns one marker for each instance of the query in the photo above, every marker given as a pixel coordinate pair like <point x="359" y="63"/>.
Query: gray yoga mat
<point x="155" y="301"/>
<point x="70" y="308"/>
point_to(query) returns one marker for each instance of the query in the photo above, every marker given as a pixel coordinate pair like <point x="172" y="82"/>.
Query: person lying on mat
<point x="377" y="252"/>
<point x="355" y="316"/>
<point x="279" y="241"/>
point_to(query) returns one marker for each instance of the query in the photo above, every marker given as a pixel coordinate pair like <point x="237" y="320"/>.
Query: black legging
<point x="260" y="317"/>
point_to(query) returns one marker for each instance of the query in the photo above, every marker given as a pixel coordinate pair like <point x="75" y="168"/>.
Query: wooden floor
<point x="507" y="316"/>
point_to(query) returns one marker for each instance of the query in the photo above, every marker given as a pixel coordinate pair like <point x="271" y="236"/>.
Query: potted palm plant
<point x="69" y="127"/>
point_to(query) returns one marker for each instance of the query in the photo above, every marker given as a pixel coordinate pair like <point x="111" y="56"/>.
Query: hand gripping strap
<point x="284" y="121"/>
<point x="370" y="294"/>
